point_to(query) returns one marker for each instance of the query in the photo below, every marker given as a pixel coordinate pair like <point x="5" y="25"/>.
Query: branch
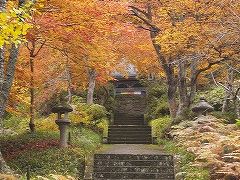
<point x="39" y="48"/>
<point x="148" y="29"/>
<point x="231" y="67"/>
<point x="218" y="83"/>
<point x="209" y="66"/>
<point x="235" y="95"/>
<point x="137" y="12"/>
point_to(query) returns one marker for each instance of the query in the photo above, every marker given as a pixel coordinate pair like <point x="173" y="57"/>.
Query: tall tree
<point x="182" y="37"/>
<point x="13" y="30"/>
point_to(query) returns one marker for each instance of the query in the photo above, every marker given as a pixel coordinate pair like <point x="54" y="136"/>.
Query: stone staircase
<point x="130" y="166"/>
<point x="129" y="134"/>
<point x="128" y="119"/>
<point x="129" y="129"/>
<point x="129" y="126"/>
<point x="131" y="157"/>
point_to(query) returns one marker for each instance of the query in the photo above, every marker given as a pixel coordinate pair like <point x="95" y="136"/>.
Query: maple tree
<point x="85" y="36"/>
<point x="13" y="30"/>
<point x="182" y="33"/>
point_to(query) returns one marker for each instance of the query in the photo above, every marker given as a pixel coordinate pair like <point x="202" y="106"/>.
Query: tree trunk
<point x="8" y="79"/>
<point x="172" y="89"/>
<point x="182" y="86"/>
<point x="193" y="83"/>
<point x="69" y="80"/>
<point x="32" y="95"/>
<point x="1" y="68"/>
<point x="229" y="90"/>
<point x="69" y="101"/>
<point x="91" y="85"/>
<point x="171" y="81"/>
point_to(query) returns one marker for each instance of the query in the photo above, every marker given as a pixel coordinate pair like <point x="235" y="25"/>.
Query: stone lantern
<point x="202" y="108"/>
<point x="63" y="122"/>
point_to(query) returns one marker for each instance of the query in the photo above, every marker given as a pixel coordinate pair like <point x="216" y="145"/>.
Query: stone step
<point x="119" y="175"/>
<point x="113" y="134"/>
<point x="127" y="119"/>
<point x="133" y="166"/>
<point x="129" y="123"/>
<point x="137" y="131"/>
<point x="135" y="163"/>
<point x="128" y="142"/>
<point x="112" y="138"/>
<point x="142" y="135"/>
<point x="123" y="132"/>
<point x="128" y="116"/>
<point x="129" y="127"/>
<point x="137" y="169"/>
<point x="133" y="157"/>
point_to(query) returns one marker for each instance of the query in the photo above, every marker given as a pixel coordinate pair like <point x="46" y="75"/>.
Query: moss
<point x="186" y="158"/>
<point x="40" y="151"/>
<point x="160" y="125"/>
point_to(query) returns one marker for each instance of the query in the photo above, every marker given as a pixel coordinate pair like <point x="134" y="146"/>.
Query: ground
<point x="131" y="149"/>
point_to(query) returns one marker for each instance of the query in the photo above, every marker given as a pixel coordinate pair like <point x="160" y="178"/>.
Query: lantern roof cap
<point x="203" y="105"/>
<point x="62" y="108"/>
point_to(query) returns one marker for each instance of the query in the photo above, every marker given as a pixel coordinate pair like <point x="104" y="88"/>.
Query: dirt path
<point x="130" y="149"/>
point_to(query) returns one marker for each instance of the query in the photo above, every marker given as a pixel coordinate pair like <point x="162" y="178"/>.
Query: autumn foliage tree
<point x="13" y="30"/>
<point x="185" y="38"/>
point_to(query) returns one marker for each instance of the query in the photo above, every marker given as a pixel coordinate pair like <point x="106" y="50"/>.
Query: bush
<point x="40" y="151"/>
<point x="94" y="116"/>
<point x="54" y="160"/>
<point x="214" y="96"/>
<point x="96" y="112"/>
<point x="191" y="173"/>
<point x="187" y="114"/>
<point x="230" y="117"/>
<point x="18" y="124"/>
<point x="46" y="124"/>
<point x="160" y="125"/>
<point x="103" y="125"/>
<point x="238" y="122"/>
<point x="157" y="104"/>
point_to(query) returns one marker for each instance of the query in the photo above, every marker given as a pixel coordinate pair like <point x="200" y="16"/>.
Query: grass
<point x="185" y="160"/>
<point x="159" y="126"/>
<point x="40" y="151"/>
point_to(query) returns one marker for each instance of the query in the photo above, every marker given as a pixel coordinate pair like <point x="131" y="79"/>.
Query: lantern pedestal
<point x="63" y="127"/>
<point x="63" y="123"/>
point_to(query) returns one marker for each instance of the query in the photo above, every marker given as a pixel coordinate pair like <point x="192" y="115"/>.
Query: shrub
<point x="46" y="124"/>
<point x="103" y="125"/>
<point x="86" y="139"/>
<point x="94" y="116"/>
<point x="40" y="151"/>
<point x="230" y="117"/>
<point x="54" y="160"/>
<point x="18" y="124"/>
<point x="157" y="105"/>
<point x="96" y="112"/>
<point x="238" y="122"/>
<point x="160" y="125"/>
<point x="214" y="96"/>
<point x="191" y="173"/>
